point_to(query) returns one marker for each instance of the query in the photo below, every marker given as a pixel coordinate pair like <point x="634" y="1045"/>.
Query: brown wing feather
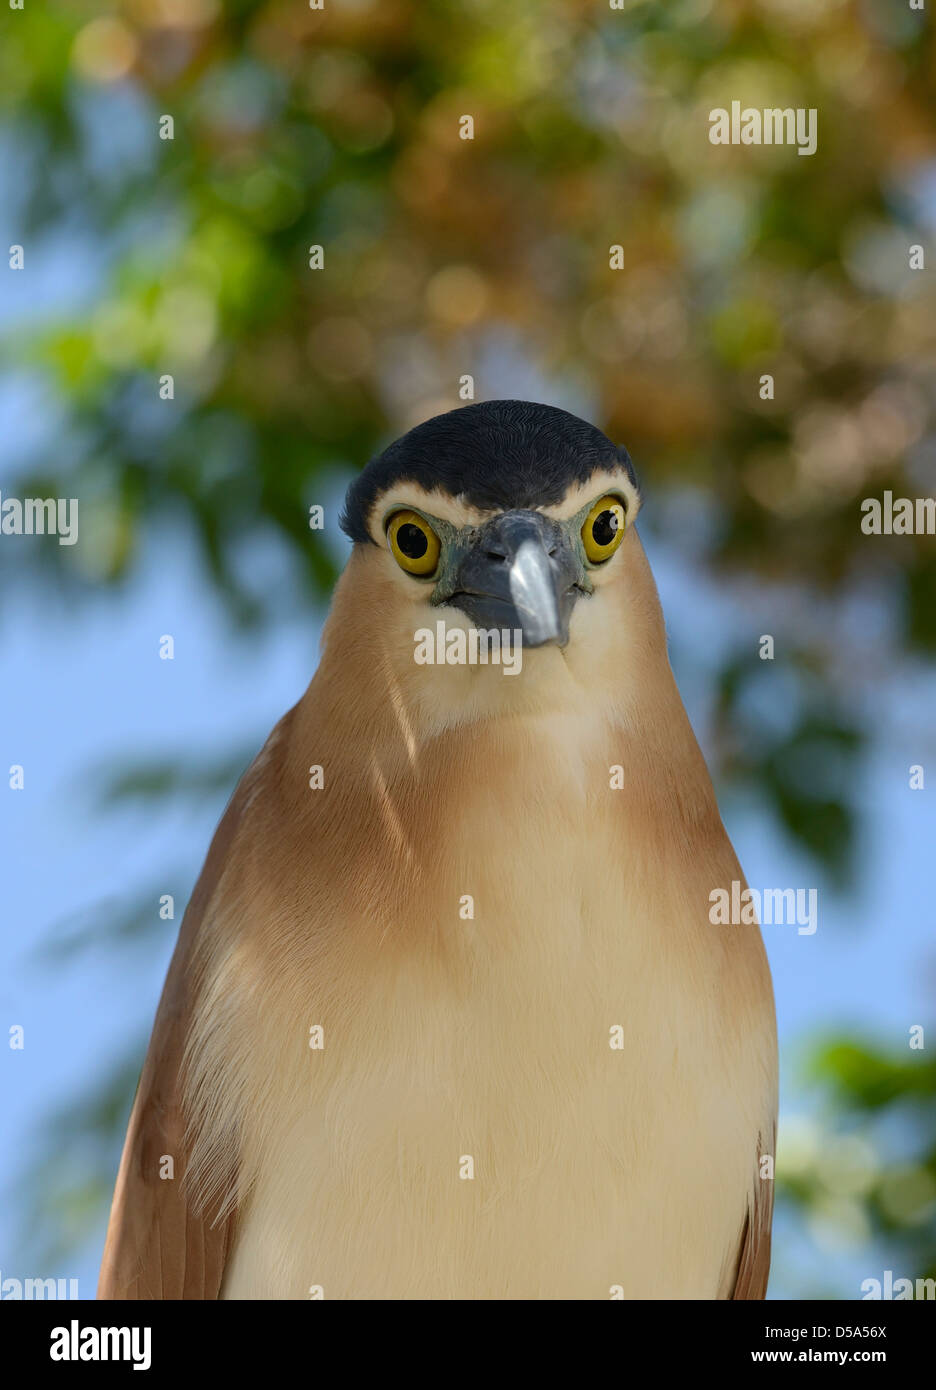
<point x="157" y="1245"/>
<point x="754" y="1257"/>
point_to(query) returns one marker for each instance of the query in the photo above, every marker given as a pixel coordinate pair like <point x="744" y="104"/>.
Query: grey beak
<point x="520" y="572"/>
<point x="534" y="594"/>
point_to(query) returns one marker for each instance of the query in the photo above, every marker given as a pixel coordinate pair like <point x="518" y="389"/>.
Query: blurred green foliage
<point x="868" y="1170"/>
<point x="339" y="127"/>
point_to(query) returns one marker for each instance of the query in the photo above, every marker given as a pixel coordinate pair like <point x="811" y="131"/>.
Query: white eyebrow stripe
<point x="602" y="481"/>
<point x="460" y="513"/>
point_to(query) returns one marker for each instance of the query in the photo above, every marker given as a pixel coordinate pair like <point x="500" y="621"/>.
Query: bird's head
<point x="502" y="516"/>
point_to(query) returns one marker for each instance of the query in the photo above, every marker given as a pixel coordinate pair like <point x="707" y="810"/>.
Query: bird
<point x="448" y="1017"/>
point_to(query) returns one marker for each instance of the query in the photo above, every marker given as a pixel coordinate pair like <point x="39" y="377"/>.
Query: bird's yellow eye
<point x="414" y="544"/>
<point x="604" y="529"/>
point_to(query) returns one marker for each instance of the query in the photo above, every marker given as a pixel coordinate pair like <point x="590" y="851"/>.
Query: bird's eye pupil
<point x="605" y="526"/>
<point x="412" y="541"/>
